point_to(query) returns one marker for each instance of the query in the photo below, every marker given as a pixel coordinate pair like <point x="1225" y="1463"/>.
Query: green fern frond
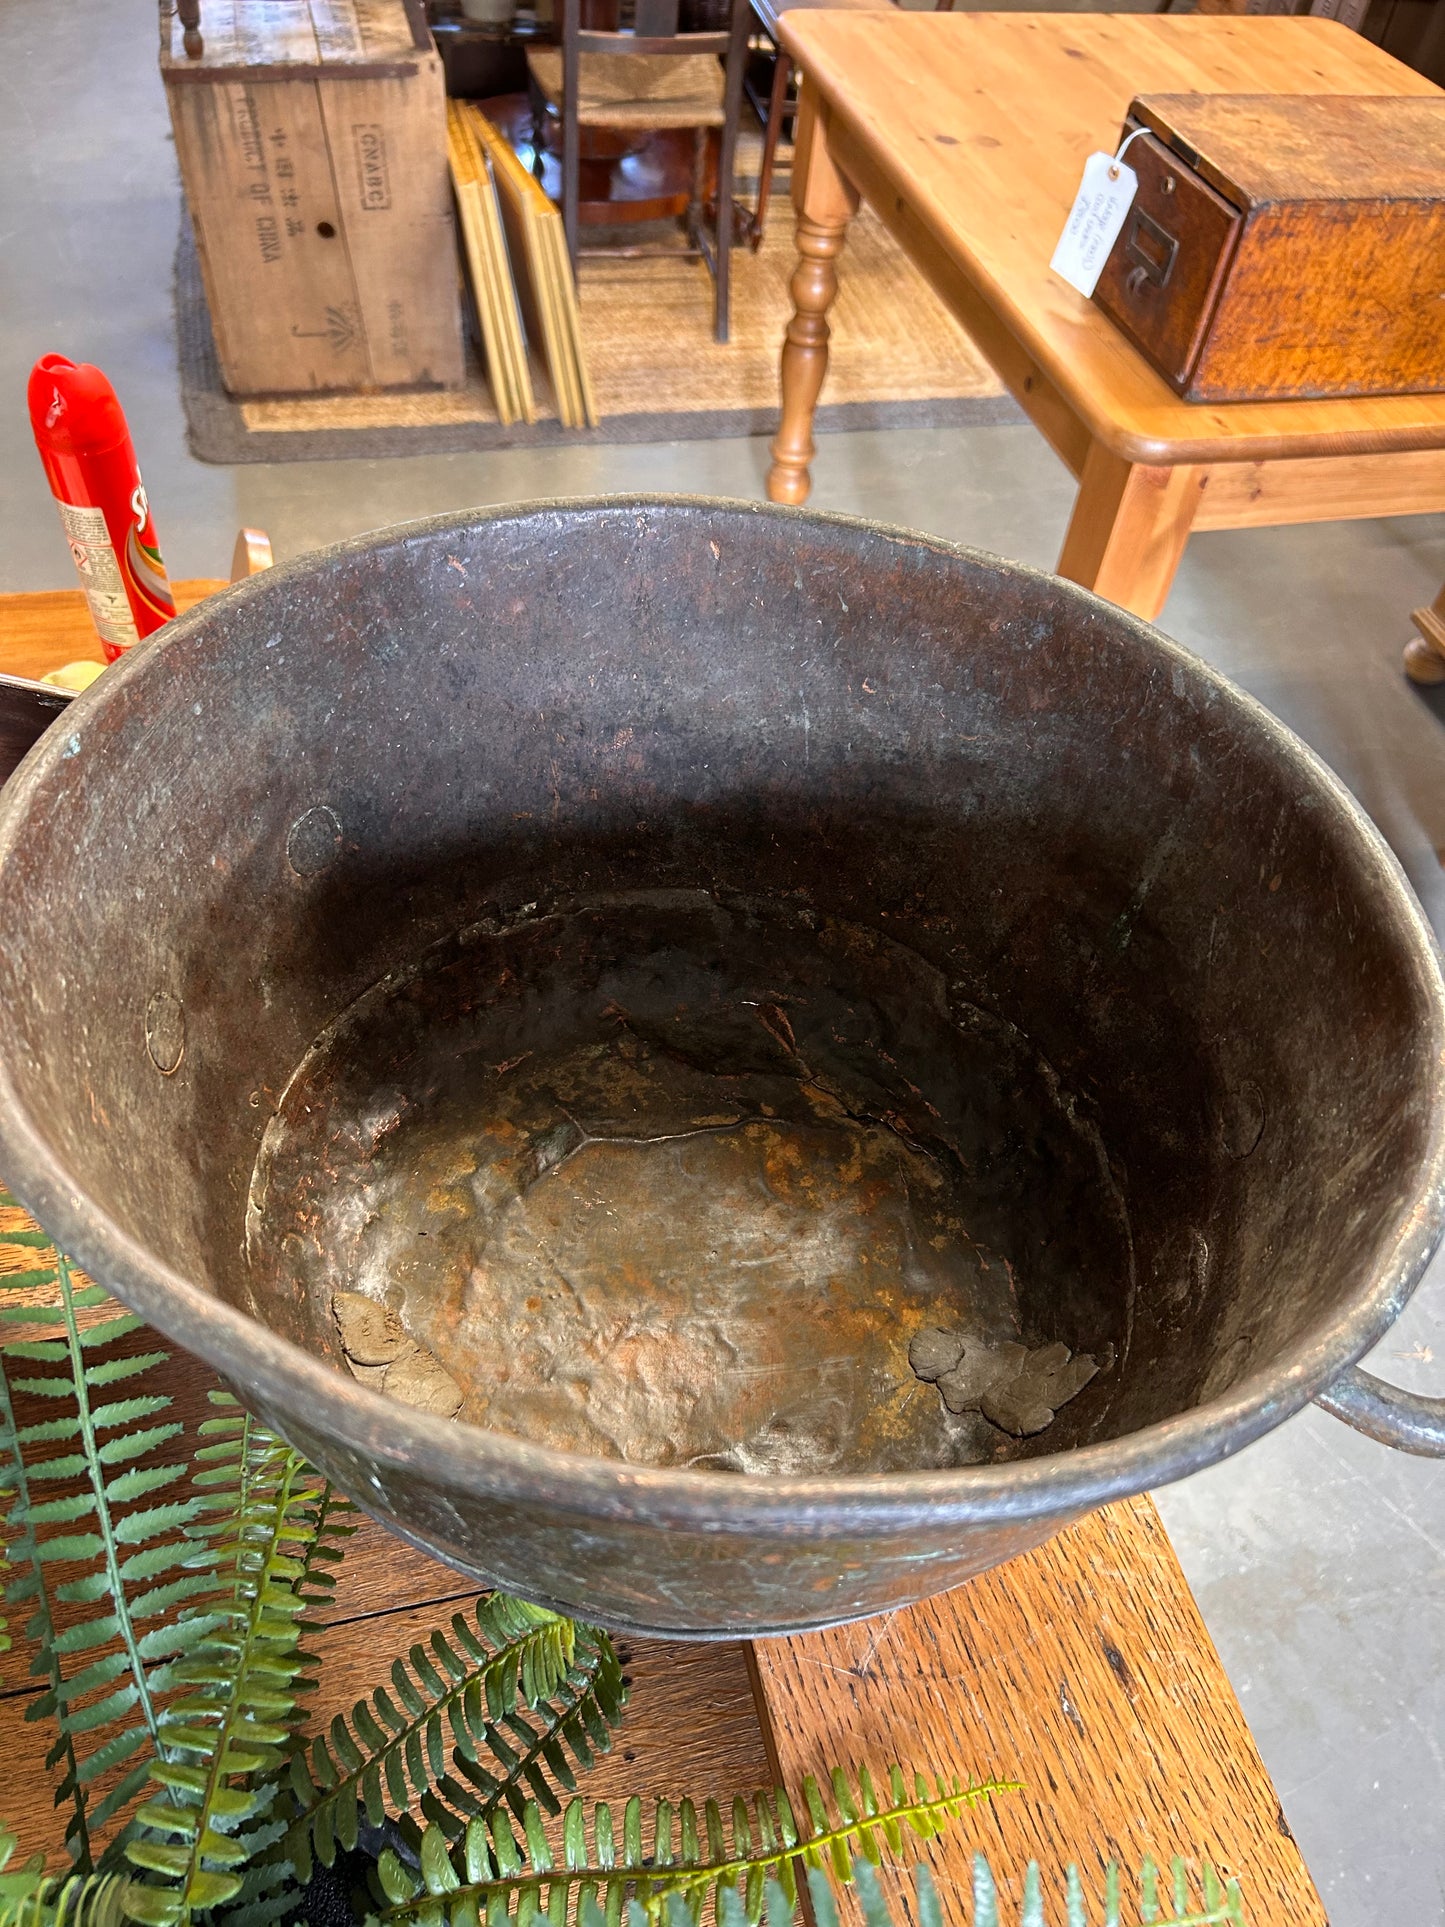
<point x="79" y="1900"/>
<point x="19" y="1883"/>
<point x="28" y="1583"/>
<point x="29" y="1899"/>
<point x="534" y="1754"/>
<point x="88" y="1486"/>
<point x="225" y="1738"/>
<point x="491" y="1875"/>
<point x="334" y="1520"/>
<point x="1220" y="1902"/>
<point x="451" y="1702"/>
<point x="268" y="1889"/>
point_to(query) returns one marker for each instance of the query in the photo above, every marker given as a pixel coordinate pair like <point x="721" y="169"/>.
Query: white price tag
<point x="1094" y="220"/>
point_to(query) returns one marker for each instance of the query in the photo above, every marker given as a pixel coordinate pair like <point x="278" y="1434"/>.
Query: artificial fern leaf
<point x="534" y="1754"/>
<point x="89" y="1486"/>
<point x="26" y="1582"/>
<point x="78" y="1900"/>
<point x="1221" y="1903"/>
<point x="510" y="1882"/>
<point x="750" y="1866"/>
<point x="29" y="1899"/>
<point x="225" y="1736"/>
<point x="493" y="1710"/>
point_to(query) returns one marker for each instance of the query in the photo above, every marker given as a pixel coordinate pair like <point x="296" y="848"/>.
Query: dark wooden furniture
<point x="1081" y="1669"/>
<point x="1350" y="13"/>
<point x="967" y="134"/>
<point x="1411" y="30"/>
<point x="647" y="78"/>
<point x="622" y="179"/>
<point x="1284" y="246"/>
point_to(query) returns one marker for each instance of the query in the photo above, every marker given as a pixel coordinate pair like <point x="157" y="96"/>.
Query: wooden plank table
<point x="967" y="135"/>
<point x="1082" y="1669"/>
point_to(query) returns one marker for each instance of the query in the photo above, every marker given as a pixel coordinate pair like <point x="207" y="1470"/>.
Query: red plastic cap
<point x="73" y="408"/>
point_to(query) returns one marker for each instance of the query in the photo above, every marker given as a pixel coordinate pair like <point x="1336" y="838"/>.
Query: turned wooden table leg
<point x="825" y="203"/>
<point x="1129" y="528"/>
<point x="1425" y="653"/>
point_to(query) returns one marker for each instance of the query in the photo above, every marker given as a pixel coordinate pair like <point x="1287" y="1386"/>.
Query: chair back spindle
<point x="189" y="14"/>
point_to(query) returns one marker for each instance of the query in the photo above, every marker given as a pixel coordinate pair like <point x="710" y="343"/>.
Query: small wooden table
<point x="1082" y="1668"/>
<point x="967" y="133"/>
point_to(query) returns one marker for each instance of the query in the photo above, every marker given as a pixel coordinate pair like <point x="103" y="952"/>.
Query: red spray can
<point x="90" y="464"/>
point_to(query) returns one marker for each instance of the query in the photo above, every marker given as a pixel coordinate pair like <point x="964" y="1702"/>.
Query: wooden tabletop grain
<point x="1082" y="1669"/>
<point x="979" y="124"/>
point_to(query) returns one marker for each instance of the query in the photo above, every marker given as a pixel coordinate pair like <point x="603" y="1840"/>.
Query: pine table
<point x="967" y="133"/>
<point x="1082" y="1669"/>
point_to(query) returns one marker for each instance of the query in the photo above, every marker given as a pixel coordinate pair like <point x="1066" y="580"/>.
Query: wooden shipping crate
<point x="311" y="136"/>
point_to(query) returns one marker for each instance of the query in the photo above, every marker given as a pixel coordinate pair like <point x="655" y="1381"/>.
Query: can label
<point x="145" y="573"/>
<point x="100" y="574"/>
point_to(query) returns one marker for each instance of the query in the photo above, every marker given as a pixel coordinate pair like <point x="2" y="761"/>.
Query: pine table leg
<point x="1425" y="653"/>
<point x="825" y="204"/>
<point x="1129" y="528"/>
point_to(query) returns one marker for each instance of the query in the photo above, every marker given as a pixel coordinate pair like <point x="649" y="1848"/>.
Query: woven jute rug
<point x="898" y="359"/>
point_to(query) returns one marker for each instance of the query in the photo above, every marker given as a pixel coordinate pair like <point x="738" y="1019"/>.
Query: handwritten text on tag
<point x="1094" y="221"/>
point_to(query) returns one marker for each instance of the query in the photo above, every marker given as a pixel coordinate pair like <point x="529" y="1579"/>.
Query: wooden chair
<point x="646" y="78"/>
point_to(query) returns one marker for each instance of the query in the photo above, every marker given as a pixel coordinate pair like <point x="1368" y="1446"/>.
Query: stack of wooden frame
<point x="484" y="248"/>
<point x="517" y="262"/>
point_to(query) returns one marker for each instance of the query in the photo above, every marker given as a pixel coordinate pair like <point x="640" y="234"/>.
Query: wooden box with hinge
<point x="1284" y="246"/>
<point x="311" y="138"/>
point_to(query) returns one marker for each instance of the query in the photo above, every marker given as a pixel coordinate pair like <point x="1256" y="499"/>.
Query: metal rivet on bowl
<point x="313" y="841"/>
<point x="166" y="1031"/>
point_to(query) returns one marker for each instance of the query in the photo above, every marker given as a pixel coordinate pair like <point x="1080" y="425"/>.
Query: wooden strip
<point x="571" y="321"/>
<point x="526" y="212"/>
<point x="500" y="367"/>
<point x="503" y="355"/>
<point x="248" y="71"/>
<point x="482" y="268"/>
<point x="1245" y="495"/>
<point x="337" y="30"/>
<point x="278" y="32"/>
<point x="386" y="27"/>
<point x="1083" y="1669"/>
<point x="474" y="260"/>
<point x="558" y="348"/>
<point x="514" y="336"/>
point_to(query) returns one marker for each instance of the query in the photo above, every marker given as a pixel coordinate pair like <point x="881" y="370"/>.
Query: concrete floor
<point x="1318" y="1558"/>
